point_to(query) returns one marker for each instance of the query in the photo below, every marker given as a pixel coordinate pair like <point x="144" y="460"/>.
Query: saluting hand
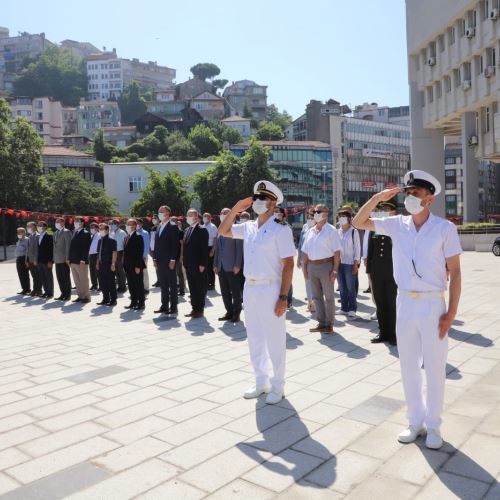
<point x="387" y="194"/>
<point x="243" y="205"/>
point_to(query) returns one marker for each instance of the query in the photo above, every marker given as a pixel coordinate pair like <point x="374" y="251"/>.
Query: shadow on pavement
<point x="470" y="338"/>
<point x="293" y="342"/>
<point x="338" y="343"/>
<point x="198" y="327"/>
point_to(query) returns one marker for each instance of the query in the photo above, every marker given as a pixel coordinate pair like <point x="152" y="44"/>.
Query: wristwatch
<point x="283" y="297"/>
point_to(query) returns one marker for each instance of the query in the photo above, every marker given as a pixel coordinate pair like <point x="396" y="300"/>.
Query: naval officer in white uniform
<point x="424" y="248"/>
<point x="269" y="251"/>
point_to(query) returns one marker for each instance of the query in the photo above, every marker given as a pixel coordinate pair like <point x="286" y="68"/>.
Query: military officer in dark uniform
<point x="379" y="266"/>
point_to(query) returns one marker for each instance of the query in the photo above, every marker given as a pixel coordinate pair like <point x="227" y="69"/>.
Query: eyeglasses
<point x="260" y="197"/>
<point x="318" y="212"/>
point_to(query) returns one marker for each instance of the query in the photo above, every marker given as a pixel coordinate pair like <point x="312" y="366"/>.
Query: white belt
<point x="421" y="295"/>
<point x="269" y="281"/>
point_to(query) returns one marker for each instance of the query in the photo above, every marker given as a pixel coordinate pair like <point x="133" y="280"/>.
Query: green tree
<point x="220" y="83"/>
<point x="232" y="135"/>
<point x="204" y="140"/>
<point x="205" y="70"/>
<point x="273" y="115"/>
<point x="63" y="190"/>
<point x="180" y="148"/>
<point x="269" y="132"/>
<point x="103" y="151"/>
<point x="54" y="74"/>
<point x="170" y="189"/>
<point x="132" y="105"/>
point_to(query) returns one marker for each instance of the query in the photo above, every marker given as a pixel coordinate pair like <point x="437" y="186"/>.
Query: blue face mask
<point x="114" y="227"/>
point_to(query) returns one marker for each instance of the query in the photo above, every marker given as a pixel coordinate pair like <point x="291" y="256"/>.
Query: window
<point x="467" y="71"/>
<point x="487" y="120"/>
<point x="430" y="94"/>
<point x="39" y="116"/>
<point x="450" y="160"/>
<point x="447" y="83"/>
<point x="479" y="64"/>
<point x="135" y="184"/>
<point x="417" y="62"/>
<point x="471" y="19"/>
<point x="461" y="27"/>
<point x="439" y="90"/>
<point x="486" y="9"/>
<point x="432" y="49"/>
<point x="449" y="173"/>
<point x="451" y="185"/>
<point x="451" y="35"/>
<point x="441" y="43"/>
<point x="39" y="104"/>
<point x="456" y="77"/>
<point x="491" y="56"/>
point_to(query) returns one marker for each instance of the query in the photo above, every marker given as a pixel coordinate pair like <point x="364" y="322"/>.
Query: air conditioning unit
<point x="470" y="33"/>
<point x="466" y="85"/>
<point x="431" y="61"/>
<point x="489" y="71"/>
<point x="494" y="14"/>
<point x="473" y="140"/>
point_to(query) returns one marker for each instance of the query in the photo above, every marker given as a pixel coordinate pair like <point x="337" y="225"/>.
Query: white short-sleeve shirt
<point x="419" y="257"/>
<point x="321" y="244"/>
<point x="264" y="247"/>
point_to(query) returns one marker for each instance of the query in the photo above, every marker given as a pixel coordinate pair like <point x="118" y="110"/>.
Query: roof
<point x="122" y="128"/>
<point x="236" y="118"/>
<point x="62" y="151"/>
<point x="309" y="144"/>
<point x="141" y="163"/>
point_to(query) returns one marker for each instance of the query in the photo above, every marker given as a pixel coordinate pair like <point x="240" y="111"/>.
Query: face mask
<point x="114" y="227"/>
<point x="31" y="230"/>
<point x="155" y="221"/>
<point x="318" y="217"/>
<point x="375" y="215"/>
<point x="161" y="216"/>
<point x="190" y="220"/>
<point x="222" y="218"/>
<point x="310" y="222"/>
<point x="130" y="229"/>
<point x="343" y="220"/>
<point x="93" y="231"/>
<point x="58" y="226"/>
<point x="173" y="223"/>
<point x="77" y="226"/>
<point x="412" y="204"/>
<point x="41" y="229"/>
<point x="382" y="215"/>
<point x="206" y="220"/>
<point x="259" y="206"/>
<point x="20" y="236"/>
<point x="103" y="233"/>
<point x="278" y="215"/>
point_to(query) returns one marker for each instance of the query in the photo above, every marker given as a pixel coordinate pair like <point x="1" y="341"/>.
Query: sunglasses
<point x="318" y="212"/>
<point x="260" y="197"/>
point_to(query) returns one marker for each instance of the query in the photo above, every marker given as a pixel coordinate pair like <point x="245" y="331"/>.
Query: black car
<point x="496" y="247"/>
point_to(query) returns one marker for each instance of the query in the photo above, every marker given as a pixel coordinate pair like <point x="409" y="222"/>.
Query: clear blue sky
<point x="352" y="51"/>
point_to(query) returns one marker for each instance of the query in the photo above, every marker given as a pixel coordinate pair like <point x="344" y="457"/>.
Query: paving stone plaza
<point x="113" y="404"/>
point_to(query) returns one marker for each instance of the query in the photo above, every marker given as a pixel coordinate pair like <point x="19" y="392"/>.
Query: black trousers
<point x="384" y="293"/>
<point x="230" y="287"/>
<point x="197" y="287"/>
<point x="46" y="277"/>
<point x="63" y="275"/>
<point x="168" y="284"/>
<point x="94" y="276"/>
<point x="37" y="280"/>
<point x="23" y="273"/>
<point x="107" y="282"/>
<point x="210" y="269"/>
<point x="180" y="276"/>
<point x="136" y="286"/>
<point x="120" y="272"/>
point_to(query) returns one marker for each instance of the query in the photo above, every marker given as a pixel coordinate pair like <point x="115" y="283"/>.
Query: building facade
<point x="454" y="87"/>
<point x="243" y="125"/>
<point x="108" y="74"/>
<point x="125" y="181"/>
<point x="43" y="113"/>
<point x="54" y="157"/>
<point x="246" y="93"/>
<point x="209" y="105"/>
<point x="80" y="50"/>
<point x="120" y="136"/>
<point x="94" y="115"/>
<point x="69" y="121"/>
<point x="14" y="50"/>
<point x="399" y="115"/>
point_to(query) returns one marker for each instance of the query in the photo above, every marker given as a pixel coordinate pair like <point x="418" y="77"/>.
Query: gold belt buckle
<point x="413" y="295"/>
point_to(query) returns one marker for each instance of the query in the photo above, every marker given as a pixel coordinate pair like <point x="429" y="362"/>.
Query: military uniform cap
<point x="419" y="178"/>
<point x="269" y="189"/>
<point x="387" y="205"/>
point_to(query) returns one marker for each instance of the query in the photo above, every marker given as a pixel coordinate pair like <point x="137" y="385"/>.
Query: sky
<point x="353" y="51"/>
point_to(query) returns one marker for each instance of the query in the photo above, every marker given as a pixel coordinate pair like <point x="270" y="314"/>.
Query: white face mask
<point x="222" y="217"/>
<point x="242" y="221"/>
<point x="103" y="233"/>
<point x="41" y="229"/>
<point x="413" y="204"/>
<point x="162" y="216"/>
<point x="130" y="229"/>
<point x="20" y="236"/>
<point x="319" y="217"/>
<point x="78" y="226"/>
<point x="155" y="221"/>
<point x="310" y="222"/>
<point x="173" y="223"/>
<point x="93" y="231"/>
<point x="260" y="207"/>
<point x="31" y="230"/>
<point x="190" y="220"/>
<point x="58" y="226"/>
<point x="382" y="215"/>
<point x="375" y="215"/>
<point x="206" y="220"/>
<point x="343" y="221"/>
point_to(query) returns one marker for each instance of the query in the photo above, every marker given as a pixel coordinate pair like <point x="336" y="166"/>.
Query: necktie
<point x="188" y="234"/>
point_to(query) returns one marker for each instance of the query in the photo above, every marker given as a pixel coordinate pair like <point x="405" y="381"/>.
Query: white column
<point x="470" y="168"/>
<point x="427" y="147"/>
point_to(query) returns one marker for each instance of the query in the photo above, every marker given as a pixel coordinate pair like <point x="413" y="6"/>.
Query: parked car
<point x="496" y="247"/>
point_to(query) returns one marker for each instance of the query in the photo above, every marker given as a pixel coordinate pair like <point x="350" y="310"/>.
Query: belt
<point x="421" y="295"/>
<point x="269" y="281"/>
<point x="321" y="261"/>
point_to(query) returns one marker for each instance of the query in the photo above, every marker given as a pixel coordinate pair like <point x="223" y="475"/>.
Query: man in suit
<point x="133" y="263"/>
<point x="94" y="240"/>
<point x="195" y="255"/>
<point x="179" y="268"/>
<point x="152" y="236"/>
<point x="106" y="266"/>
<point x="165" y="257"/>
<point x="79" y="260"/>
<point x="45" y="260"/>
<point x="119" y="235"/>
<point x="228" y="261"/>
<point x="145" y="236"/>
<point x="32" y="259"/>
<point x="62" y="242"/>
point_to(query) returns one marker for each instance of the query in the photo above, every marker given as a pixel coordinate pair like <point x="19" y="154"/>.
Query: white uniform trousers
<point x="266" y="334"/>
<point x="418" y="341"/>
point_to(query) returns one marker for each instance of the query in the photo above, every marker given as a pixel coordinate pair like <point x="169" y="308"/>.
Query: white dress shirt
<point x="93" y="244"/>
<point x="264" y="247"/>
<point x="351" y="247"/>
<point x="212" y="233"/>
<point x="321" y="244"/>
<point x="419" y="257"/>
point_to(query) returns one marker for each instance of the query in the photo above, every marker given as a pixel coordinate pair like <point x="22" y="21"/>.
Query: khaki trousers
<point x="80" y="273"/>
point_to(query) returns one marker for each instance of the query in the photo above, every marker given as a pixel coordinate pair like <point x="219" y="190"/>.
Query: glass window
<point x="451" y="35"/>
<point x="135" y="184"/>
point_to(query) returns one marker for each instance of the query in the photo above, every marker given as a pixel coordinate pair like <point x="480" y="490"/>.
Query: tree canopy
<point x="269" y="132"/>
<point x="205" y="70"/>
<point x="56" y="74"/>
<point x="282" y="119"/>
<point x="131" y="103"/>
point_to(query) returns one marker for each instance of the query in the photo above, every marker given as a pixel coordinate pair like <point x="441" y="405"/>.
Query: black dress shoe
<point x="155" y="284"/>
<point x="182" y="293"/>
<point x="21" y="292"/>
<point x="93" y="288"/>
<point x="173" y="310"/>
<point x="78" y="299"/>
<point x="226" y="317"/>
<point x="140" y="306"/>
<point x="61" y="297"/>
<point x="161" y="310"/>
<point x="198" y="314"/>
<point x="112" y="303"/>
<point x="377" y="340"/>
<point x="85" y="301"/>
<point x="49" y="296"/>
<point x="188" y="315"/>
<point x="130" y="306"/>
<point x="102" y="303"/>
<point x="43" y="296"/>
<point x="65" y="298"/>
<point x="27" y="292"/>
<point x="121" y="290"/>
<point x="236" y="318"/>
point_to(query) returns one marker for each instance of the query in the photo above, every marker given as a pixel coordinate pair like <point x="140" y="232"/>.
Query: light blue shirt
<point x="145" y="237"/>
<point x="119" y="235"/>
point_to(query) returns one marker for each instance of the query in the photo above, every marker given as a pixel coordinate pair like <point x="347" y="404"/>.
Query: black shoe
<point x="161" y="310"/>
<point x="226" y="317"/>
<point x="131" y="306"/>
<point x="92" y="288"/>
<point x="188" y="315"/>
<point x="26" y="292"/>
<point x="22" y="292"/>
<point x="140" y="306"/>
<point x="102" y="303"/>
<point x="121" y="290"/>
<point x="61" y="297"/>
<point x="78" y="299"/>
<point x="182" y="293"/>
<point x="43" y="296"/>
<point x="146" y="292"/>
<point x="65" y="298"/>
<point x="49" y="296"/>
<point x="173" y="310"/>
<point x="368" y="290"/>
<point x="236" y="318"/>
<point x="211" y="287"/>
<point x="377" y="340"/>
<point x="85" y="301"/>
<point x="157" y="284"/>
<point x="112" y="303"/>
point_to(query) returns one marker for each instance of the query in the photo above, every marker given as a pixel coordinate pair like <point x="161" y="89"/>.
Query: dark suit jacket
<point x="79" y="248"/>
<point x="228" y="253"/>
<point x="133" y="252"/>
<point x="46" y="249"/>
<point x="167" y="244"/>
<point x="196" y="247"/>
<point x="105" y="248"/>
